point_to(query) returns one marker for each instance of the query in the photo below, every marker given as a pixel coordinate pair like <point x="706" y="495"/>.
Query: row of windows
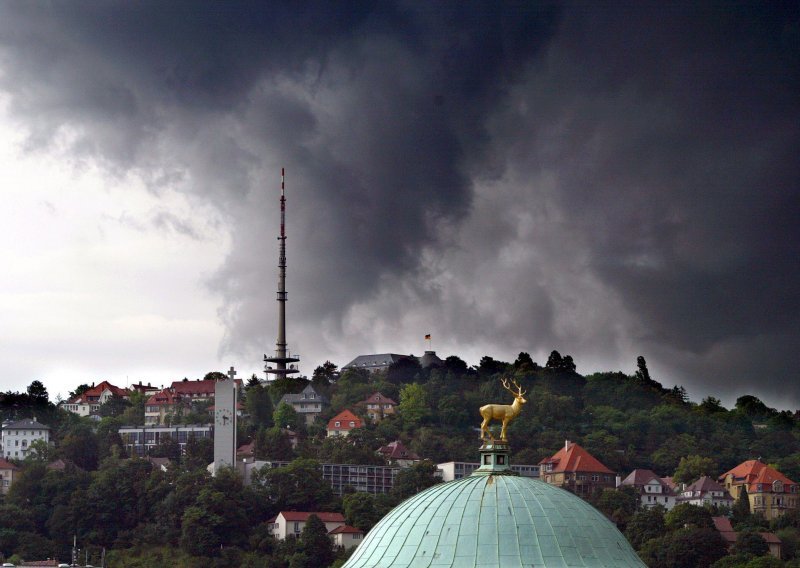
<point x="24" y="433"/>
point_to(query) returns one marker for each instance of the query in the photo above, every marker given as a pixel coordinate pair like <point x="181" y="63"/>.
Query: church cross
<point x="231" y="373"/>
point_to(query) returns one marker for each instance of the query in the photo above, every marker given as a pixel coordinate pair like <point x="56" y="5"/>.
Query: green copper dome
<point x="491" y="519"/>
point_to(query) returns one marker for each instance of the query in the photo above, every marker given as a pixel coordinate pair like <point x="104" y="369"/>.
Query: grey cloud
<point x="603" y="181"/>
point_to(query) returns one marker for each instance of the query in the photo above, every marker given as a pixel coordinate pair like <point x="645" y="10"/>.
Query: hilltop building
<point x="17" y="437"/>
<point x="769" y="491"/>
<point x="308" y="403"/>
<point x="576" y="470"/>
<point x="651" y="488"/>
<point x="140" y="440"/>
<point x="382" y="361"/>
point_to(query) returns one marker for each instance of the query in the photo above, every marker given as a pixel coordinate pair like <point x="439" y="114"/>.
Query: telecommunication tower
<point x="282" y="364"/>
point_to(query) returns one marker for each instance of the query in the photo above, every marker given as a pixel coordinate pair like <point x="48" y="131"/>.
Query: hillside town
<point x="337" y="451"/>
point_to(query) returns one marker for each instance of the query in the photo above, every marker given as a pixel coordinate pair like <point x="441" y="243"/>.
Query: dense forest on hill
<point x="142" y="515"/>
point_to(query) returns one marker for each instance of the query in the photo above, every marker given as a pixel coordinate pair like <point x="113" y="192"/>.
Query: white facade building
<point x="652" y="489"/>
<point x="18" y="436"/>
<point x="291" y="523"/>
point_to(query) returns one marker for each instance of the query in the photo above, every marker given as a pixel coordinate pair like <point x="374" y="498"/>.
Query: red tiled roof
<point x="246" y="449"/>
<point x="346" y="529"/>
<point x="165" y="397"/>
<point x="7" y="465"/>
<point x="193" y="387"/>
<point x="753" y="472"/>
<point x="98" y="390"/>
<point x="379" y="398"/>
<point x="771" y="538"/>
<point x="303" y="516"/>
<point x="344" y="418"/>
<point x="574" y="458"/>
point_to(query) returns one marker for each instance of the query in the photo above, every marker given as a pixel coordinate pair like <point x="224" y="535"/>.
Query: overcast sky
<point x="607" y="182"/>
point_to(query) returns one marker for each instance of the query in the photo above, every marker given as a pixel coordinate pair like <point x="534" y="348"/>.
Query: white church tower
<point x="225" y="422"/>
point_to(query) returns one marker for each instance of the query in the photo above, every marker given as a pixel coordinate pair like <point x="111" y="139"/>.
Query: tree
<point x="273" y="444"/>
<point x="413" y="405"/>
<point x="642" y="375"/>
<point x="741" y="508"/>
<point x="315" y="543"/>
<point x="40" y="451"/>
<point x="403" y="371"/>
<point x="134" y="414"/>
<point x="79" y="390"/>
<point x="558" y="364"/>
<point x="285" y="416"/>
<point x="298" y="486"/>
<point x="414" y="479"/>
<point x="619" y="505"/>
<point x="114" y="406"/>
<point x="489" y="366"/>
<point x="692" y="468"/>
<point x="644" y="525"/>
<point x="455" y="365"/>
<point x="360" y="511"/>
<point x="325" y="375"/>
<point x="711" y="405"/>
<point x="687" y="515"/>
<point x="750" y="542"/>
<point x="38" y="393"/>
<point x="753" y="408"/>
<point x="685" y="548"/>
<point x="215" y="376"/>
<point x="258" y="404"/>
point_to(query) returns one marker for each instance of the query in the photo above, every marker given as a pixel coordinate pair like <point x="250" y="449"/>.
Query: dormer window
<point x="337" y="424"/>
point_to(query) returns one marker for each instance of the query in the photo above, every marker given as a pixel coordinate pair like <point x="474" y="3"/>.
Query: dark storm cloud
<point x="603" y="181"/>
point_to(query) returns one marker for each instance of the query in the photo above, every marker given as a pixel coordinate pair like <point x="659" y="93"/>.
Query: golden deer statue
<point x="502" y="412"/>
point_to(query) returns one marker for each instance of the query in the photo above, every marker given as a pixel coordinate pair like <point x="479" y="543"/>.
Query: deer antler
<point x="519" y="388"/>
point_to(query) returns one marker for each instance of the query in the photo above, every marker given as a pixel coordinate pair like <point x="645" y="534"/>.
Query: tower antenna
<point x="284" y="363"/>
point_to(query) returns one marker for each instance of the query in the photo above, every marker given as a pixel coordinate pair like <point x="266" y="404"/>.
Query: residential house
<point x="725" y="529"/>
<point x="651" y="488"/>
<point x="769" y="491"/>
<point x="575" y="469"/>
<point x="88" y="402"/>
<point x="706" y="491"/>
<point x="201" y="390"/>
<point x="291" y="523"/>
<point x="7" y="473"/>
<point x="346" y="536"/>
<point x="307" y="403"/>
<point x="379" y="406"/>
<point x="343" y="423"/>
<point x="18" y="436"/>
<point x="160" y="408"/>
<point x="449" y="471"/>
<point x="395" y="453"/>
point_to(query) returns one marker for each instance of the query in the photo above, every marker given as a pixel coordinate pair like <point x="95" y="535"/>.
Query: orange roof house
<point x="769" y="491"/>
<point x="342" y="423"/>
<point x="575" y="469"/>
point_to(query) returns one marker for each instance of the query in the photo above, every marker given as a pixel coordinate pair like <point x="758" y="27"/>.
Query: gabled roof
<point x="62" y="464"/>
<point x="574" y="458"/>
<point x="303" y="516"/>
<point x="193" y="387"/>
<point x="753" y="472"/>
<point x="706" y="484"/>
<point x="346" y="529"/>
<point x="640" y="477"/>
<point x="25" y="423"/>
<point x="298" y="397"/>
<point x="397" y="451"/>
<point x="164" y="398"/>
<point x="378" y="398"/>
<point x="344" y="418"/>
<point x="7" y="464"/>
<point x="96" y="391"/>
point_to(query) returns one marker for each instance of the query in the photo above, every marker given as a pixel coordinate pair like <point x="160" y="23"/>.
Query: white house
<point x="291" y="523"/>
<point x="346" y="536"/>
<point x="706" y="491"/>
<point x="18" y="436"/>
<point x="652" y="489"/>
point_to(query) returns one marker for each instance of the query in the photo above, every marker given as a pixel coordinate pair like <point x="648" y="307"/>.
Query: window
<point x="501" y="460"/>
<point x="337" y="424"/>
<point x="357" y="536"/>
<point x="487" y="460"/>
<point x="352" y="424"/>
<point x="297" y="526"/>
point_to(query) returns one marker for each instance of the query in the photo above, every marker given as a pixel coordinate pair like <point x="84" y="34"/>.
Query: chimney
<point x="566" y="445"/>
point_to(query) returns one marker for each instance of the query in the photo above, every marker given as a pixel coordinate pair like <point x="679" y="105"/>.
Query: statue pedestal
<point x="495" y="459"/>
